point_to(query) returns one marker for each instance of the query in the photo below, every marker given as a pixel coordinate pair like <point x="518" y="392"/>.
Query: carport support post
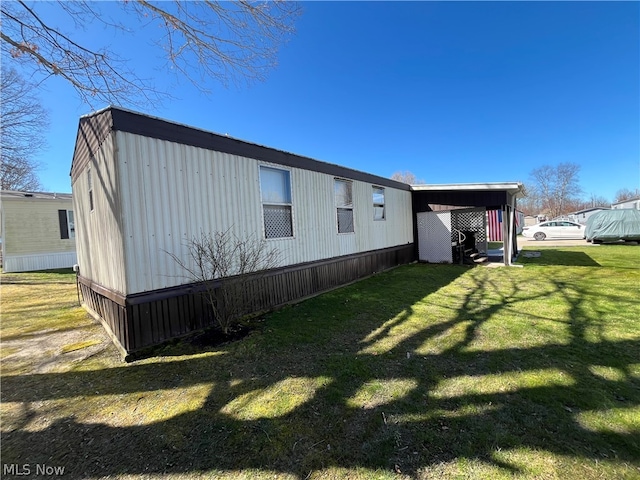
<point x="509" y="229"/>
<point x="512" y="229"/>
<point x="514" y="234"/>
<point x="506" y="240"/>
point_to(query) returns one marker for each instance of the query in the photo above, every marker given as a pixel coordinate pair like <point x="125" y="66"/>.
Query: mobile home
<point x="582" y="216"/>
<point x="628" y="203"/>
<point x="37" y="231"/>
<point x="143" y="187"/>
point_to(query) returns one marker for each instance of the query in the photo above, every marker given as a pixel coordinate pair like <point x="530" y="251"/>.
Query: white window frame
<point x="288" y="205"/>
<point x="90" y="185"/>
<point x="71" y="224"/>
<point x="376" y="189"/>
<point x="67" y="224"/>
<point x="346" y="206"/>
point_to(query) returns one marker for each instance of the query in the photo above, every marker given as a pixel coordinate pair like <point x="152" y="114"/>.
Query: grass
<point x="40" y="301"/>
<point x="42" y="319"/>
<point x="426" y="371"/>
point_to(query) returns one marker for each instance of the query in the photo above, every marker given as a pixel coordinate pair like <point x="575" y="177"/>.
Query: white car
<point x="554" y="229"/>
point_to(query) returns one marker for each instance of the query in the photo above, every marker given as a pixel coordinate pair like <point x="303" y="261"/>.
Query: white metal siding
<point x="98" y="232"/>
<point x="41" y="261"/>
<point x="173" y="192"/>
<point x="635" y="204"/>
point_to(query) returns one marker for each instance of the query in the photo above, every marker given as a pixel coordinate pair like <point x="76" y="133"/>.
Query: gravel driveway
<point x="577" y="242"/>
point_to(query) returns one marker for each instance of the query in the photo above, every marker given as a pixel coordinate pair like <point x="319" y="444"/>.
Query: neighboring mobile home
<point x="37" y="231"/>
<point x="143" y="187"/>
<point x="581" y="216"/>
<point x="628" y="203"/>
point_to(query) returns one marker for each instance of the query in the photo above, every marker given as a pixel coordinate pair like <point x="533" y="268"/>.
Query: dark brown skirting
<point x="143" y="320"/>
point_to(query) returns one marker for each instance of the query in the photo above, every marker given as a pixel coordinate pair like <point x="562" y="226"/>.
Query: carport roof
<point x="515" y="188"/>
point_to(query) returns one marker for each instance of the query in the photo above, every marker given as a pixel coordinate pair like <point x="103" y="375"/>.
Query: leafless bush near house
<point x="229" y="270"/>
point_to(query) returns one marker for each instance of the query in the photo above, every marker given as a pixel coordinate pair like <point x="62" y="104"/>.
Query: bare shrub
<point x="229" y="269"/>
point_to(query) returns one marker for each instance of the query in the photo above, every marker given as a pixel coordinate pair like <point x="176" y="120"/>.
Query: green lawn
<point x="426" y="371"/>
<point x="33" y="302"/>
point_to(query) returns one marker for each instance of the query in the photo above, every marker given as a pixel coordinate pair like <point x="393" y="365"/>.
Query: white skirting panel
<point x="41" y="261"/>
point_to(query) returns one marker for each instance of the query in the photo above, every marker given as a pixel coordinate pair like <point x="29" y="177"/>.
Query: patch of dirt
<point x="554" y="242"/>
<point x="43" y="351"/>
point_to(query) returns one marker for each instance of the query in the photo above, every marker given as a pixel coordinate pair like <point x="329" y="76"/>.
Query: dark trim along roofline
<point x="148" y="126"/>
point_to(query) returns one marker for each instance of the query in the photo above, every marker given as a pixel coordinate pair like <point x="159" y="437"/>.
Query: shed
<point x="37" y="231"/>
<point x="144" y="186"/>
<point x="456" y="215"/>
<point x="530" y="220"/>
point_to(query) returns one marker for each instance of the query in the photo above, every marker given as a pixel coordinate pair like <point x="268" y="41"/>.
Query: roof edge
<point x="138" y="123"/>
<point x="632" y="199"/>
<point x="25" y="194"/>
<point x="511" y="187"/>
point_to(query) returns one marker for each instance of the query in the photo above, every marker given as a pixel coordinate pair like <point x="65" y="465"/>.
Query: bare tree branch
<point x="406" y="177"/>
<point x="530" y="203"/>
<point x="556" y="187"/>
<point x="202" y="40"/>
<point x="626" y="194"/>
<point x="23" y="121"/>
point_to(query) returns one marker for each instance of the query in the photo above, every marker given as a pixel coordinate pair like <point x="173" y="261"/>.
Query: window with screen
<point x="378" y="203"/>
<point x="344" y="205"/>
<point x="275" y="190"/>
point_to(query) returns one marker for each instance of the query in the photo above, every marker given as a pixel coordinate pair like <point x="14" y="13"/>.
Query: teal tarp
<point x="612" y="225"/>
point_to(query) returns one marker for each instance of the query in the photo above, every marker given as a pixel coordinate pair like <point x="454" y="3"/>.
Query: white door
<point x="434" y="237"/>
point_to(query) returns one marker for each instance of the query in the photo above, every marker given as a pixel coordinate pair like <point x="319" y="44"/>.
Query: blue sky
<point x="453" y="92"/>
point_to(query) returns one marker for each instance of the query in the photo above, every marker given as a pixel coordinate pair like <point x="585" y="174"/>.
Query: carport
<point x="454" y="216"/>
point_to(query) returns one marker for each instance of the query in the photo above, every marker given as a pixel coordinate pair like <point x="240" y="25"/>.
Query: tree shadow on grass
<point x="333" y="362"/>
<point x="557" y="257"/>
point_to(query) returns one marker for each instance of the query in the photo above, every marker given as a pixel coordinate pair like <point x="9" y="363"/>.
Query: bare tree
<point x="597" y="201"/>
<point x="225" y="266"/>
<point x="201" y="40"/>
<point x="406" y="177"/>
<point x="530" y="203"/>
<point x="556" y="187"/>
<point x="576" y="204"/>
<point x="626" y="194"/>
<point x="23" y="120"/>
